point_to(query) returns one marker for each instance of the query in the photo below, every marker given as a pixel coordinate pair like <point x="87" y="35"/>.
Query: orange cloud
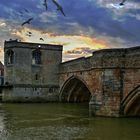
<point x="69" y="41"/>
<point x="76" y="53"/>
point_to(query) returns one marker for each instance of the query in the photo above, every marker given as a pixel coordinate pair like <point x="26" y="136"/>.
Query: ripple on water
<point x="47" y="133"/>
<point x="62" y="122"/>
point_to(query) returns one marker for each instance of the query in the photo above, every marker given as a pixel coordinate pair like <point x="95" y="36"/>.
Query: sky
<point x="89" y="25"/>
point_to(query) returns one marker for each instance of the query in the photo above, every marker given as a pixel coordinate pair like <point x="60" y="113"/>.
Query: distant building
<point x="31" y="71"/>
<point x="1" y="78"/>
<point x="1" y="73"/>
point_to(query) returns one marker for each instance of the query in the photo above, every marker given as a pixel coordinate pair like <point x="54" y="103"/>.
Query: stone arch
<point x="131" y="104"/>
<point x="74" y="90"/>
<point x="9" y="56"/>
<point x="36" y="56"/>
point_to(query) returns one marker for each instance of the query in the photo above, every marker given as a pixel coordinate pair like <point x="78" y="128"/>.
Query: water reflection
<point x="62" y="122"/>
<point x="1" y="120"/>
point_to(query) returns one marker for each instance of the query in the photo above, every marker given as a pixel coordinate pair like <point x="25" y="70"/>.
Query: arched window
<point x="9" y="57"/>
<point x="36" y="76"/>
<point x="36" y="57"/>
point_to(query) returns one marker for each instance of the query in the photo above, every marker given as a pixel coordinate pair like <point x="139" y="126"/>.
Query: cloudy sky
<point x="88" y="25"/>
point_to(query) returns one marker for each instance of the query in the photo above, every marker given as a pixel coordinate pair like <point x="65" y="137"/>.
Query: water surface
<point x="53" y="121"/>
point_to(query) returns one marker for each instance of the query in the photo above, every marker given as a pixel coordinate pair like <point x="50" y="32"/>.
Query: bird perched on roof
<point x="122" y="3"/>
<point x="58" y="7"/>
<point x="27" y="21"/>
<point x="41" y="39"/>
<point x="45" y="4"/>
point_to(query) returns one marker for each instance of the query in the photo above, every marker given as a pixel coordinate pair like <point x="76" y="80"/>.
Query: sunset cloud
<point x="88" y="24"/>
<point x="69" y="41"/>
<point x="81" y="51"/>
<point x="130" y="8"/>
<point x="76" y="53"/>
<point x="73" y="44"/>
<point x="2" y="24"/>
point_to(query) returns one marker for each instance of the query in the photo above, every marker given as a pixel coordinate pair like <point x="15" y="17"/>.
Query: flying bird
<point x="45" y="4"/>
<point x="41" y="39"/>
<point x="58" y="7"/>
<point x="122" y="3"/>
<point x="30" y="33"/>
<point x="27" y="21"/>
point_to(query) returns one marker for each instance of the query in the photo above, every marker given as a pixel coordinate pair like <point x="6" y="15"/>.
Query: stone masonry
<point x="31" y="72"/>
<point x="109" y="79"/>
<point x="113" y="78"/>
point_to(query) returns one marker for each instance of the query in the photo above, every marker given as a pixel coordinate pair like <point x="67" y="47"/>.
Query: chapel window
<point x="36" y="57"/>
<point x="9" y="57"/>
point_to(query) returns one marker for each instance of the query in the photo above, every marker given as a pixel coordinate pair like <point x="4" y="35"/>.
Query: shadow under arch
<point x="74" y="90"/>
<point x="130" y="106"/>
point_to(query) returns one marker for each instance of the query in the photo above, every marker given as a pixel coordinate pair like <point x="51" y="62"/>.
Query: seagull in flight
<point x="122" y="3"/>
<point x="58" y="7"/>
<point x="116" y="6"/>
<point x="30" y="33"/>
<point x="45" y="4"/>
<point x="27" y="21"/>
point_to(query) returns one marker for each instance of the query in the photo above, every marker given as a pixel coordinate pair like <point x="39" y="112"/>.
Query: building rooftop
<point x="19" y="44"/>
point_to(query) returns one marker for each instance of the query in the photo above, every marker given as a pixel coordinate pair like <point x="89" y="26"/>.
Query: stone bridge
<point x="109" y="80"/>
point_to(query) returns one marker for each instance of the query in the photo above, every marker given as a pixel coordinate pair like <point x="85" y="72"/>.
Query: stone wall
<point x="109" y="74"/>
<point x="32" y="82"/>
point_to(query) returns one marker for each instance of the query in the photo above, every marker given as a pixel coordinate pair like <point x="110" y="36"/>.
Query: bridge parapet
<point x="132" y="57"/>
<point x="79" y="64"/>
<point x="106" y="58"/>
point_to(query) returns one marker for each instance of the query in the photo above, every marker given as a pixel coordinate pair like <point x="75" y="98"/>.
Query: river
<point x="54" y="121"/>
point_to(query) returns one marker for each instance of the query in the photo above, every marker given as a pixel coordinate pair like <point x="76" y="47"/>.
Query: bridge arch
<point x="131" y="104"/>
<point x="74" y="90"/>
